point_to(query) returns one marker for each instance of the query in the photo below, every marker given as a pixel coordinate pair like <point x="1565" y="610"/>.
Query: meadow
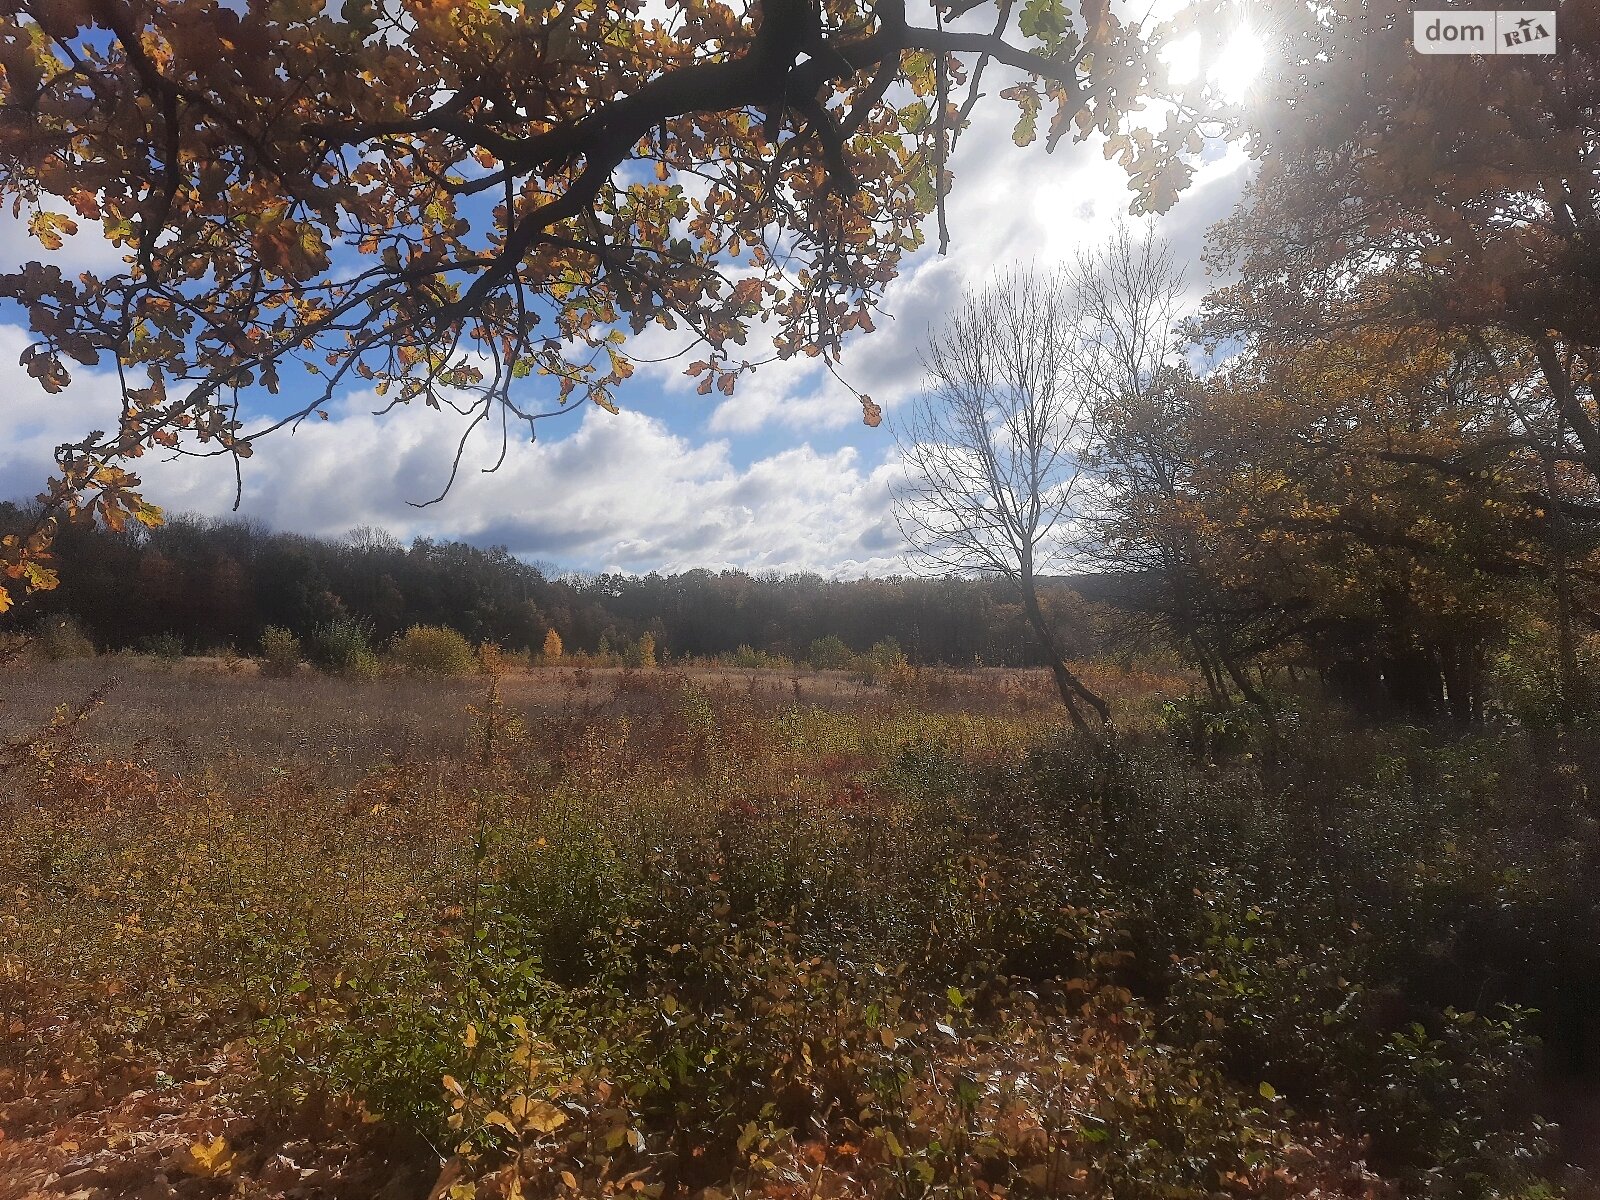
<point x="713" y="933"/>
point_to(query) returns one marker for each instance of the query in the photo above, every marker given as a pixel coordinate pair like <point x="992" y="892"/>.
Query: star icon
<point x="1524" y="23"/>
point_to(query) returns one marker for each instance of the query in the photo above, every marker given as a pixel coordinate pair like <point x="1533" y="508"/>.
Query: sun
<point x="1238" y="63"/>
<point x="1233" y="68"/>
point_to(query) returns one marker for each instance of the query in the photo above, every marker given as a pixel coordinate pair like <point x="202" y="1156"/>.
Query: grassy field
<point x="714" y="933"/>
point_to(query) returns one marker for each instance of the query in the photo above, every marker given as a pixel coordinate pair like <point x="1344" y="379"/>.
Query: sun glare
<point x="1183" y="59"/>
<point x="1238" y="64"/>
<point x="1233" y="67"/>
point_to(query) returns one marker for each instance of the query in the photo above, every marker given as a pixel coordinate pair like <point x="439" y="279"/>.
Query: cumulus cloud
<point x="85" y="250"/>
<point x="617" y="492"/>
<point x="628" y="492"/>
<point x="1010" y="207"/>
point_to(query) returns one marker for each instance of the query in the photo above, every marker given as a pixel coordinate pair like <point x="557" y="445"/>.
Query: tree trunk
<point x="1252" y="695"/>
<point x="1208" y="671"/>
<point x="1069" y="685"/>
<point x="1573" y="684"/>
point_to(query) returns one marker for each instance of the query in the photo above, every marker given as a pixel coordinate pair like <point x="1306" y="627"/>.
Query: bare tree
<point x="994" y="449"/>
<point x="1128" y="295"/>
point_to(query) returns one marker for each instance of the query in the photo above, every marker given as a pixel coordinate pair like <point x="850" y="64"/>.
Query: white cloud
<point x="794" y="394"/>
<point x="85" y="250"/>
<point x="627" y="491"/>
<point x="1011" y="207"/>
<point x="618" y="492"/>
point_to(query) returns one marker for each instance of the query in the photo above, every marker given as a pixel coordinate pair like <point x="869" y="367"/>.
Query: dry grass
<point x="211" y="714"/>
<point x="583" y="932"/>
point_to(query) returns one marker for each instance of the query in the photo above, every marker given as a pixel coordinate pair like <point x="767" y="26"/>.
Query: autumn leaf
<point x="48" y="227"/>
<point x="499" y="1120"/>
<point x="210" y="1158"/>
<point x="538" y="1115"/>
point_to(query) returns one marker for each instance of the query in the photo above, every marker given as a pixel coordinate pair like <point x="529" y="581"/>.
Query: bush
<point x="280" y="652"/>
<point x="750" y="658"/>
<point x="753" y="929"/>
<point x="434" y="650"/>
<point x="168" y="646"/>
<point x="64" y="638"/>
<point x="883" y="661"/>
<point x="343" y="646"/>
<point x="641" y="656"/>
<point x="1211" y="730"/>
<point x="830" y="654"/>
<point x="552" y="646"/>
<point x="1528" y="678"/>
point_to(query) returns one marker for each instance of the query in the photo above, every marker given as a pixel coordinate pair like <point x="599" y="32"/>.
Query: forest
<point x="217" y="585"/>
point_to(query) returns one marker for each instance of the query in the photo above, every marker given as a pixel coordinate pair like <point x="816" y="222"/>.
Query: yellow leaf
<point x="538" y="1115"/>
<point x="471" y="1038"/>
<point x="500" y="1120"/>
<point x="48" y="228"/>
<point x="210" y="1157"/>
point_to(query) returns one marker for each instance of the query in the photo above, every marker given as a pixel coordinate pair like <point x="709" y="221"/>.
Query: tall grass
<point x="693" y="935"/>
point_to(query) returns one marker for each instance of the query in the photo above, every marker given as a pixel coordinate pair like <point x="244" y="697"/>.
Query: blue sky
<point x="782" y="476"/>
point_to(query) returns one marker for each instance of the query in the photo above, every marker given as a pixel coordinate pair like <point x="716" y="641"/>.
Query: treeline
<point x="220" y="584"/>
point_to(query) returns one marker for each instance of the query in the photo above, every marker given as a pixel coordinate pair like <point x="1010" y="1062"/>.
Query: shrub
<point x="280" y="652"/>
<point x="830" y="654"/>
<point x="434" y="650"/>
<point x="1211" y="730"/>
<point x="232" y="662"/>
<point x="642" y="654"/>
<point x="1449" y="1109"/>
<point x="552" y="646"/>
<point x="757" y="930"/>
<point x="166" y="645"/>
<point x="492" y="660"/>
<point x="610" y="652"/>
<point x="64" y="638"/>
<point x="343" y="646"/>
<point x="746" y="656"/>
<point x="883" y="661"/>
<point x="1528" y="678"/>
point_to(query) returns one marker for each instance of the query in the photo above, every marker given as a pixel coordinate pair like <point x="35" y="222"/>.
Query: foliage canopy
<point x="442" y="200"/>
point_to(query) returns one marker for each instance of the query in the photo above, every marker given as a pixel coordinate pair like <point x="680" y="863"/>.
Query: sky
<point x="783" y="476"/>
